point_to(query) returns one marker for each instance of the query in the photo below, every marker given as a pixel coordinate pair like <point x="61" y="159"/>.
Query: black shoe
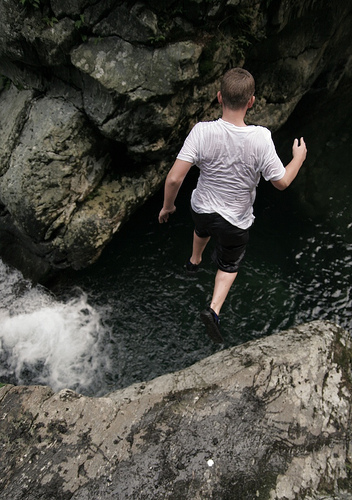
<point x="191" y="268"/>
<point x="212" y="324"/>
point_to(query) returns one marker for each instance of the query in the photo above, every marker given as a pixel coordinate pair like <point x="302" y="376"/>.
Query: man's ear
<point x="219" y="96"/>
<point x="251" y="102"/>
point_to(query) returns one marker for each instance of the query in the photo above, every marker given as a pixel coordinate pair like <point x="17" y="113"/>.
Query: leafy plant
<point x="80" y="22"/>
<point x="79" y="25"/>
<point x="33" y="3"/>
<point x="50" y="21"/>
<point x="157" y="40"/>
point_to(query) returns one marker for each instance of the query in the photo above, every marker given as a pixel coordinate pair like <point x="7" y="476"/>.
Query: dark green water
<point x="133" y="315"/>
<point x="297" y="269"/>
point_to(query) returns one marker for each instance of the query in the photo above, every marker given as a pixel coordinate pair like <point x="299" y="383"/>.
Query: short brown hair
<point x="237" y="87"/>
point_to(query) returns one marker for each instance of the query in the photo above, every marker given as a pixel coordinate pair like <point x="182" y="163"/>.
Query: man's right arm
<point x="299" y="153"/>
<point x="173" y="183"/>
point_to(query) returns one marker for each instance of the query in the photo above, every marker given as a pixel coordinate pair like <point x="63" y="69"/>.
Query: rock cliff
<point x="270" y="419"/>
<point x="97" y="96"/>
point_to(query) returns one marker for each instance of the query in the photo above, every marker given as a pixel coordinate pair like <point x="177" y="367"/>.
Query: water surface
<point x="134" y="314"/>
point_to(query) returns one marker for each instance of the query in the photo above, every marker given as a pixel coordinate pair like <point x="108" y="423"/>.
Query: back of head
<point x="237" y="87"/>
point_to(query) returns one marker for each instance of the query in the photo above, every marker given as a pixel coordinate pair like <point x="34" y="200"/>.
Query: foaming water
<point x="63" y="344"/>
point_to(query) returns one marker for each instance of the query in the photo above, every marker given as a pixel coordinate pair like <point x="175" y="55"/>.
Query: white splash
<point x="45" y="341"/>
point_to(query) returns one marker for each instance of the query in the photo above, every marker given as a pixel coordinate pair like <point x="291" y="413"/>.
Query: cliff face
<point x="97" y="97"/>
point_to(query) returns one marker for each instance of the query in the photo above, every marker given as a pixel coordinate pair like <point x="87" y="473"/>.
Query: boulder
<point x="54" y="166"/>
<point x="269" y="419"/>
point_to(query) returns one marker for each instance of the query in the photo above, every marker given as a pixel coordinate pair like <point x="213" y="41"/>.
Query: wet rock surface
<point x="103" y="93"/>
<point x="269" y="419"/>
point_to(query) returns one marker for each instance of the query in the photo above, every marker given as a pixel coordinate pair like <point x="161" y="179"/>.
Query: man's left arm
<point x="173" y="183"/>
<point x="299" y="153"/>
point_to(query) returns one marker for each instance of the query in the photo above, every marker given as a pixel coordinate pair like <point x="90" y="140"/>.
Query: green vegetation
<point x="79" y="25"/>
<point x="80" y="22"/>
<point x="157" y="40"/>
<point x="50" y="21"/>
<point x="32" y="3"/>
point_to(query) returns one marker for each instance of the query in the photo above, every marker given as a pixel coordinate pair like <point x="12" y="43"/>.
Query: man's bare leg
<point x="210" y="315"/>
<point x="199" y="245"/>
<point x="223" y="283"/>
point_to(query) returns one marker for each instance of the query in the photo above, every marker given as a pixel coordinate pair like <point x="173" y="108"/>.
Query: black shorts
<point x="231" y="241"/>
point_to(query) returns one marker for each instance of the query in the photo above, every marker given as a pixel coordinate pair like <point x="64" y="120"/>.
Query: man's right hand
<point x="164" y="214"/>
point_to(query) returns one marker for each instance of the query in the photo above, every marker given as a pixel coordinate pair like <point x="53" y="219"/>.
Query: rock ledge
<point x="269" y="419"/>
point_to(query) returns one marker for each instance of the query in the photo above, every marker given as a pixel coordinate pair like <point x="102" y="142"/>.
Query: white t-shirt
<point x="231" y="160"/>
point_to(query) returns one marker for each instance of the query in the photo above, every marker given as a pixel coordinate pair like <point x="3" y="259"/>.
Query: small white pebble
<point x="210" y="463"/>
